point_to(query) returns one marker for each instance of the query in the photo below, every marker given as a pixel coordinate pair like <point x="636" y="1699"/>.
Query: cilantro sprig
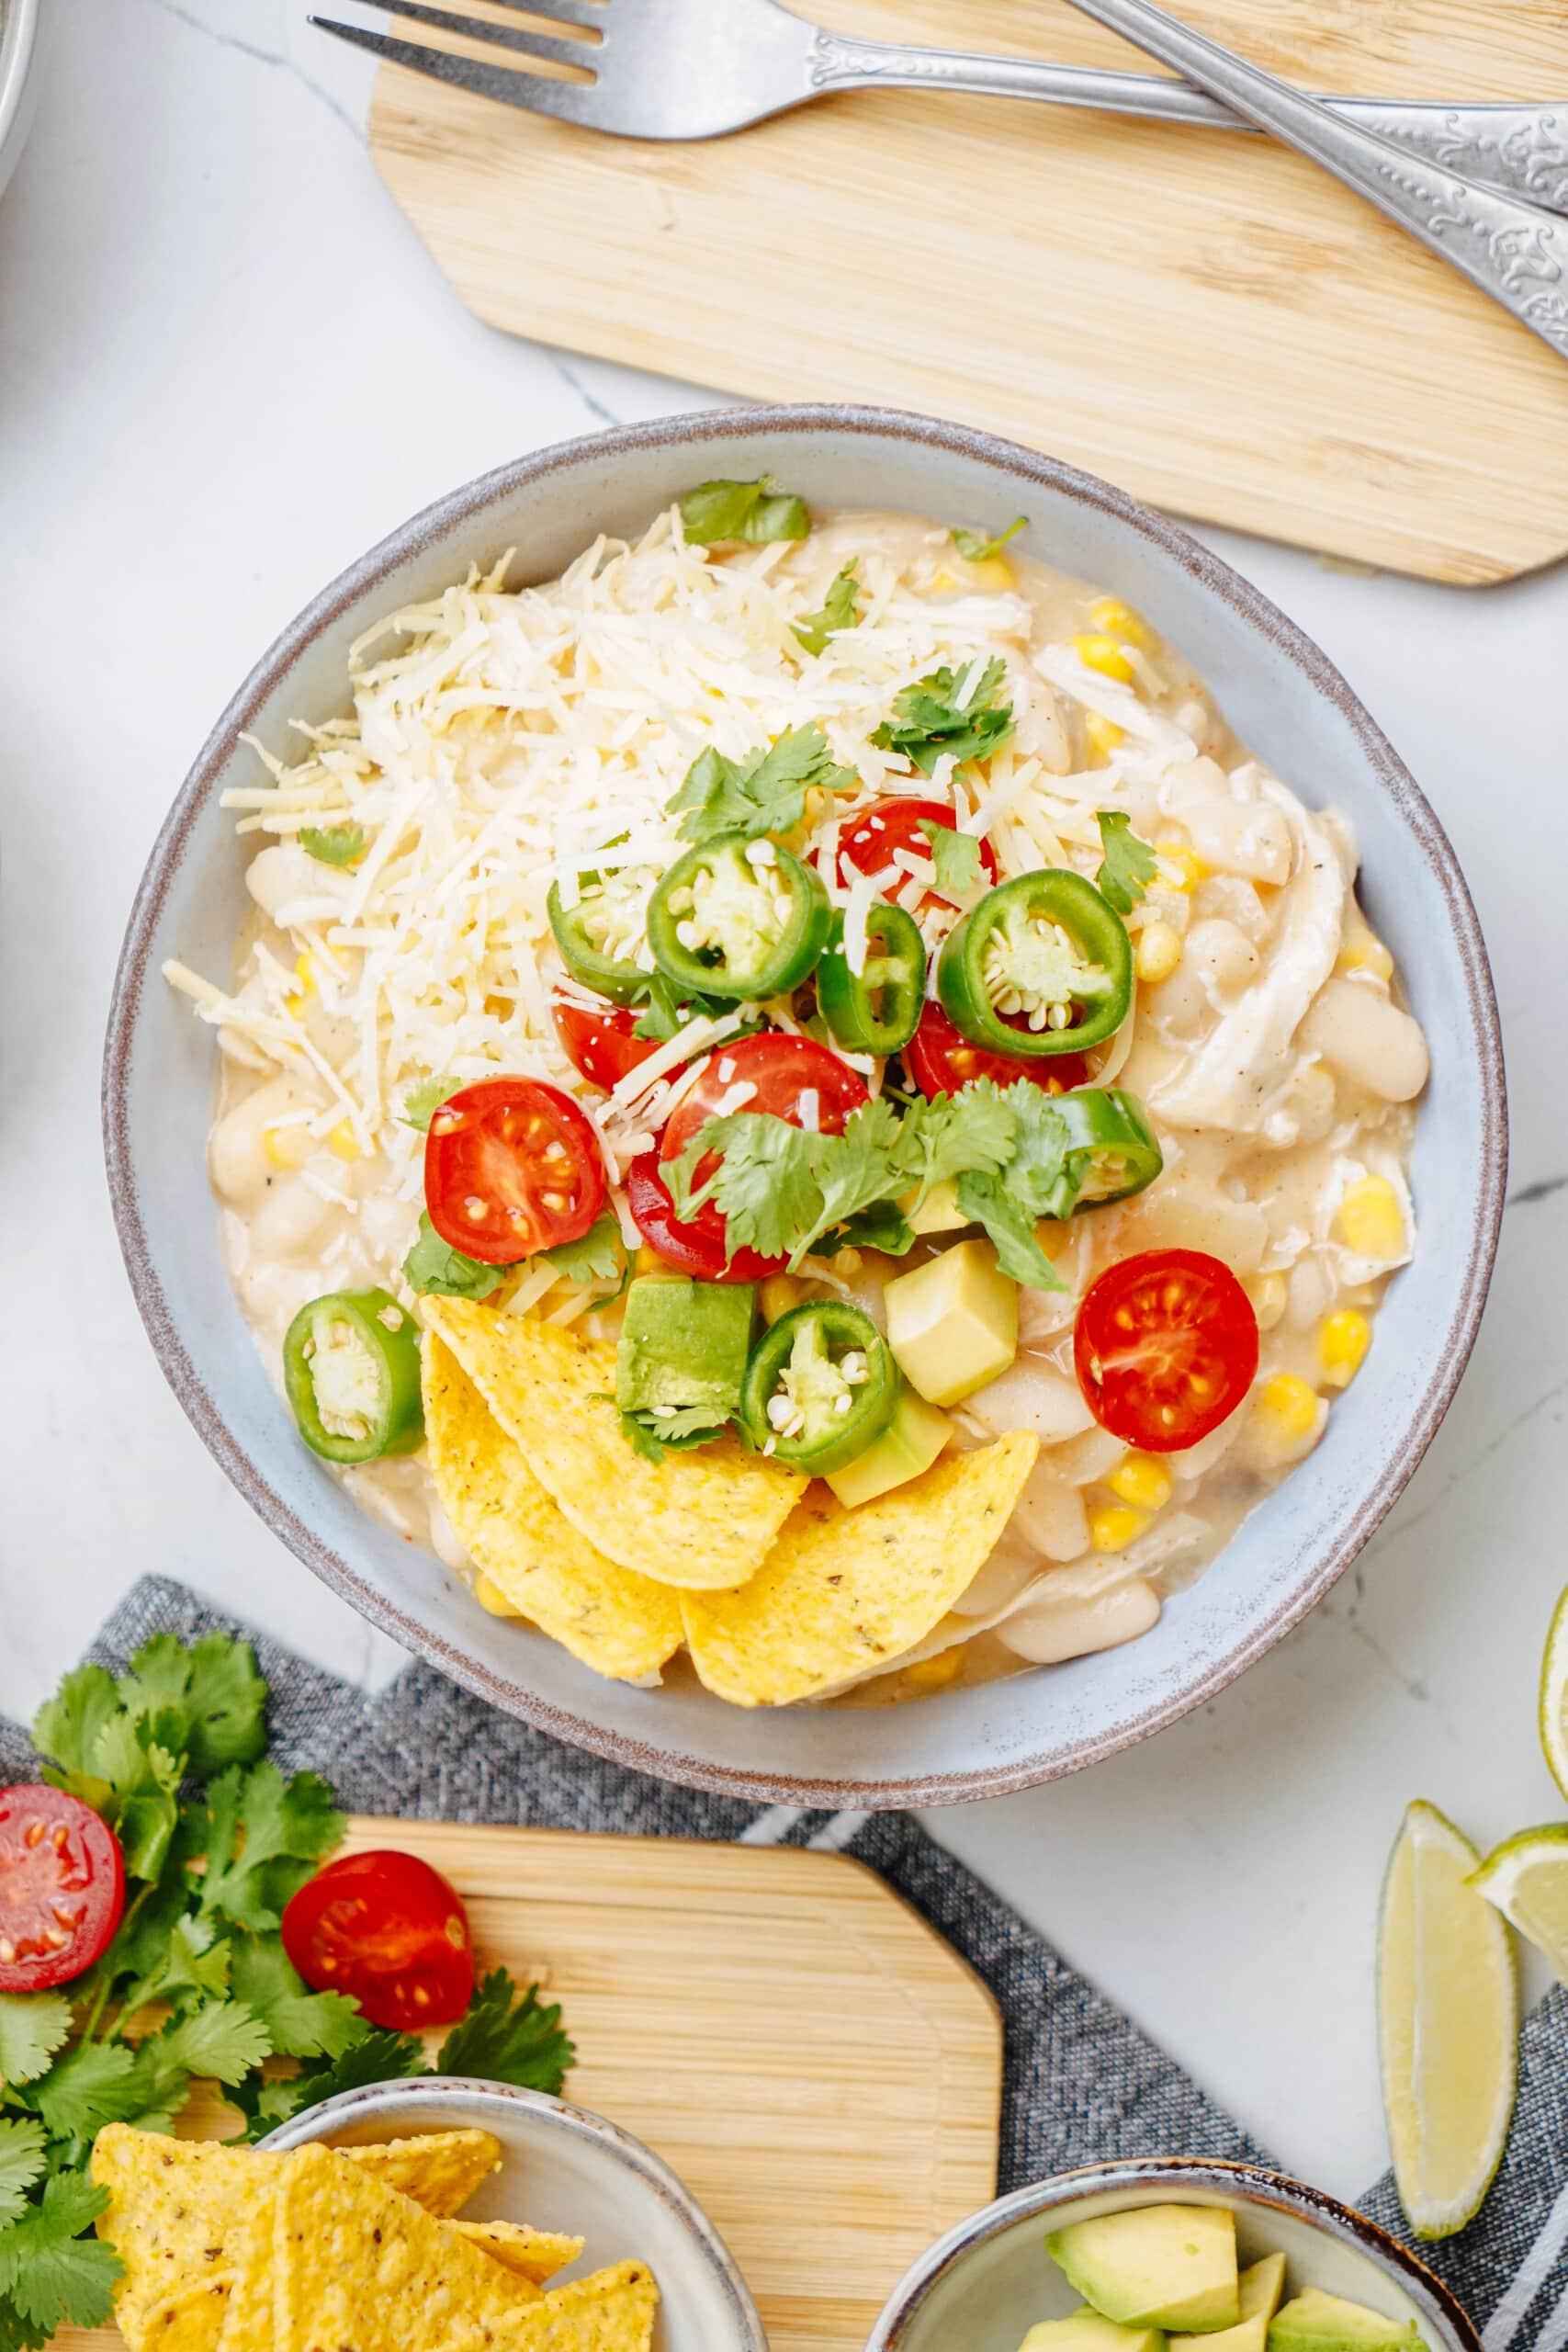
<point x="755" y="511"/>
<point x="929" y="724"/>
<point x="1127" y="865"/>
<point x="195" y="1985"/>
<point x="764" y="794"/>
<point x="788" y="1190"/>
<point x="974" y="548"/>
<point x="333" y="844"/>
<point x="955" y="857"/>
<point x="839" y="609"/>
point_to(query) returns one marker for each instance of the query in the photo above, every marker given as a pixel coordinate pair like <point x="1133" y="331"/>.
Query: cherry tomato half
<point x="61" y="1887"/>
<point x="387" y="1930"/>
<point x="602" y="1044"/>
<point x="868" y="845"/>
<point x="940" y="1059"/>
<point x="511" y="1166"/>
<point x="695" y="1245"/>
<point x="1165" y="1348"/>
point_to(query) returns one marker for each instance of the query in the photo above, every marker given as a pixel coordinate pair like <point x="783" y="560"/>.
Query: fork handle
<point x="1520" y="148"/>
<point x="1512" y="251"/>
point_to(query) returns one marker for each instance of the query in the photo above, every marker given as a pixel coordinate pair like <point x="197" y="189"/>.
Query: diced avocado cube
<point x="939" y="1212"/>
<point x="953" y="1323"/>
<point x="1155" y="2265"/>
<point x="1314" y="2322"/>
<point x="1258" y="2290"/>
<point x="682" y="1344"/>
<point x="908" y="1445"/>
<point x="1085" y="2330"/>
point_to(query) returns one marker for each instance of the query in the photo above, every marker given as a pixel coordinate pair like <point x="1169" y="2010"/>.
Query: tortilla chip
<point x="177" y="2207"/>
<point x="620" y="1624"/>
<point x="614" y="2310"/>
<point x="698" y="1521"/>
<point x="844" y="1593"/>
<point x="250" y="2315"/>
<point x="532" y="2254"/>
<point x="355" y="2263"/>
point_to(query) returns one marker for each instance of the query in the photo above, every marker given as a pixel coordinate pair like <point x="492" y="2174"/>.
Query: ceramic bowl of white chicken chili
<point x="1131" y="1188"/>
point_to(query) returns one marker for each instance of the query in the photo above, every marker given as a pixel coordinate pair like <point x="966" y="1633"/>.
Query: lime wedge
<point x="1448" y="2025"/>
<point x="1554" y="1696"/>
<point x="1527" y="1879"/>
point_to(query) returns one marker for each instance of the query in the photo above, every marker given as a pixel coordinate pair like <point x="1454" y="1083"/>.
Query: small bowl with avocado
<point x="1169" y="2254"/>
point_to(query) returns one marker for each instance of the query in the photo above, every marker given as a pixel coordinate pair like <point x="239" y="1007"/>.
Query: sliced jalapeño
<point x="820" y="1386"/>
<point x="739" y="917"/>
<point x="877" y="1009"/>
<point x="1041" y="966"/>
<point x="351" y="1373"/>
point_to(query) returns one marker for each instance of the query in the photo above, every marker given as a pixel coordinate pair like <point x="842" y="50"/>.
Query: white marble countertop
<point x="227" y="366"/>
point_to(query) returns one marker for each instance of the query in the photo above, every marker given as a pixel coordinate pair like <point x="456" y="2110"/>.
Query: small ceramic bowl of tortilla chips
<point x="978" y="1740"/>
<point x="990" y="2281"/>
<point x="566" y="2201"/>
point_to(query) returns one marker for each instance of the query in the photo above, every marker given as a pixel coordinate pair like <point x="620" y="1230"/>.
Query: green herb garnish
<point x="423" y="1101"/>
<point x="753" y="510"/>
<point x="974" y="549"/>
<point x="333" y="844"/>
<point x="839" y="610"/>
<point x="764" y="794"/>
<point x="1127" y="865"/>
<point x="433" y="1267"/>
<point x="956" y="857"/>
<point x="928" y="725"/>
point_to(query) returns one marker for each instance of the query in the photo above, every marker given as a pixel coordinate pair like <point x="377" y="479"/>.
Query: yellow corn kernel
<point x="490" y="1596"/>
<point x="936" y="1673"/>
<point x="1157" y="951"/>
<point x="1286" y="1410"/>
<point x="992" y="571"/>
<point x="1114" y="1526"/>
<point x="343" y="1141"/>
<point x="944" y="580"/>
<point x="1342" y="1345"/>
<point x="1268" y="1293"/>
<point x="1101" y="735"/>
<point x="649" y="1261"/>
<point x="1180" y="868"/>
<point x="1119" y="620"/>
<point x="1103" y="653"/>
<point x="1363" y="952"/>
<point x="304" y="984"/>
<point x="287" y="1147"/>
<point x="1371" y="1221"/>
<point x="778" y="1294"/>
<point x="1141" y="1481"/>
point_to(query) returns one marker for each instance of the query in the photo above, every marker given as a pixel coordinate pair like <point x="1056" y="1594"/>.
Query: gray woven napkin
<point x="1082" y="2082"/>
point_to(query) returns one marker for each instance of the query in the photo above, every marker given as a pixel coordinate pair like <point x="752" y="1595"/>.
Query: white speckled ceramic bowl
<point x="985" y="2283"/>
<point x="1284" y="699"/>
<point x="562" y="2168"/>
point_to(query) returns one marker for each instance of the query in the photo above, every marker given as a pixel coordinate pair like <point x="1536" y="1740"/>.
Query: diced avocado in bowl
<point x="1313" y="2321"/>
<point x="1087" y="2329"/>
<point x="952" y="1323"/>
<point x="1258" y="2290"/>
<point x="1155" y="2265"/>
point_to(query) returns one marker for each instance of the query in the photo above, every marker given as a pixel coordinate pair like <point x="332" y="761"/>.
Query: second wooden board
<point x="1209" y="321"/>
<point x="820" y="2068"/>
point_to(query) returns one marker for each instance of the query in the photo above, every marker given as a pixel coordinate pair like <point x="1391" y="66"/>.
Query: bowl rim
<point x="481" y="2100"/>
<point x="1209" y="571"/>
<point x="19" y="37"/>
<point x="1249" y="2184"/>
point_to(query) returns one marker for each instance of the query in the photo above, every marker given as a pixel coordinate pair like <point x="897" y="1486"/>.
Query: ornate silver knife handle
<point x="1520" y="149"/>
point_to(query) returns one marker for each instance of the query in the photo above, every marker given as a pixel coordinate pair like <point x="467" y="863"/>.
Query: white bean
<point x="1050" y="1516"/>
<point x="1367" y="1039"/>
<point x="236" y="1155"/>
<point x="1046" y="1631"/>
<point x="1247" y="837"/>
<point x="289" y="1219"/>
<point x="1031" y="1396"/>
<point x="1223" y="957"/>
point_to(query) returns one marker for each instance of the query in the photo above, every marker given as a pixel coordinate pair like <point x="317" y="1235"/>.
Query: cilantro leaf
<point x="677" y="1432"/>
<point x="265" y="1834"/>
<point x="508" y="2037"/>
<point x="974" y="549"/>
<point x="423" y="1101"/>
<point x="433" y="1265"/>
<point x="49" y="2273"/>
<point x="1127" y="867"/>
<point x="928" y="725"/>
<point x="597" y="1258"/>
<point x="753" y="510"/>
<point x="223" y="2039"/>
<point x="956" y="857"/>
<point x="985" y="1200"/>
<point x="882" y="1225"/>
<point x="22" y="2161"/>
<point x="33" y="2026"/>
<point x="66" y="1727"/>
<point x="298" y="2023"/>
<point x="333" y="844"/>
<point x="765" y="1182"/>
<point x="91" y="2086"/>
<point x="764" y="794"/>
<point x="971" y="1129"/>
<point x="216" y="1689"/>
<point x="839" y="609"/>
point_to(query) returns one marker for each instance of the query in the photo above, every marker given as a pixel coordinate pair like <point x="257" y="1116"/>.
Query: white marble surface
<point x="226" y="367"/>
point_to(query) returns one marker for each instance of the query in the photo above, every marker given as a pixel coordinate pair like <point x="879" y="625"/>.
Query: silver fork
<point x="1512" y="251"/>
<point x="695" y="69"/>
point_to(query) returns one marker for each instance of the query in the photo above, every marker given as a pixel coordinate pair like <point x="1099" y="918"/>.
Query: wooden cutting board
<point x="1210" y="322"/>
<point x="819" y="2067"/>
